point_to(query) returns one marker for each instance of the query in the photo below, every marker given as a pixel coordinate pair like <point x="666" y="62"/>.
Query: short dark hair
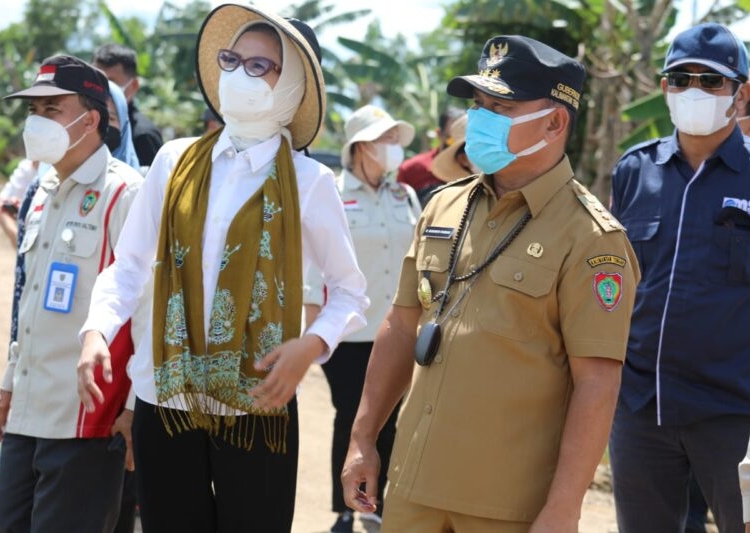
<point x="112" y="54"/>
<point x="89" y="103"/>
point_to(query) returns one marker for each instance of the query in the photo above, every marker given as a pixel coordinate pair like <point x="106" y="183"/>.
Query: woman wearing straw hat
<point x="229" y="223"/>
<point x="382" y="215"/>
<point x="451" y="163"/>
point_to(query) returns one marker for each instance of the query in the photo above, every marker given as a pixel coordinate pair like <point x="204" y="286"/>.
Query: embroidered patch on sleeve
<point x="608" y="289"/>
<point x="606" y="260"/>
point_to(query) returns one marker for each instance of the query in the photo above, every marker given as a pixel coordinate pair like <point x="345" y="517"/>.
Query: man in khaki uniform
<point x="511" y="405"/>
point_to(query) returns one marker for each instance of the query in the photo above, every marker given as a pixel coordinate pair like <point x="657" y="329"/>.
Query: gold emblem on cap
<point x="497" y="53"/>
<point x="424" y="293"/>
<point x="535" y="249"/>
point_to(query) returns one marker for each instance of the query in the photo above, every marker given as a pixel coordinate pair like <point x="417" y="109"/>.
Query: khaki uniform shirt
<point x="42" y="369"/>
<point x="481" y="427"/>
<point x="382" y="226"/>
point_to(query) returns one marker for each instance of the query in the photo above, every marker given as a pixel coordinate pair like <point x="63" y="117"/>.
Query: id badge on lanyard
<point x="61" y="286"/>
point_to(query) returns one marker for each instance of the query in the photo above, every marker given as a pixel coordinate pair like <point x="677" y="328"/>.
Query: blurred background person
<point x="120" y="64"/>
<point x="12" y="194"/>
<point x="452" y="163"/>
<point x="381" y="215"/>
<point x="415" y="171"/>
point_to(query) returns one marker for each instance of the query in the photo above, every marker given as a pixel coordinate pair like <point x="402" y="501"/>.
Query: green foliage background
<point x="621" y="43"/>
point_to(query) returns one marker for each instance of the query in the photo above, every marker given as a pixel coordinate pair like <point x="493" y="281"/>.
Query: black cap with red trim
<point x="63" y="74"/>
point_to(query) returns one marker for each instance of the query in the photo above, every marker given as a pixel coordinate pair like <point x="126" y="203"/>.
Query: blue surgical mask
<point x="487" y="138"/>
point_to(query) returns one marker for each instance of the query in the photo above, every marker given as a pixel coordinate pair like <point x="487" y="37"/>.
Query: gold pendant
<point x="424" y="293"/>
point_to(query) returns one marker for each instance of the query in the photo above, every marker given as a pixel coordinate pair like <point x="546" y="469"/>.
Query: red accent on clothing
<point x="99" y="423"/>
<point x="416" y="172"/>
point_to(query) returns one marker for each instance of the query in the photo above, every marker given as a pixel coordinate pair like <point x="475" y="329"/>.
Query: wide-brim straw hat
<point x="444" y="165"/>
<point x="218" y="29"/>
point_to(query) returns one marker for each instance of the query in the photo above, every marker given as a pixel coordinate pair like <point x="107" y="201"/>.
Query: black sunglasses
<point x="706" y="80"/>
<point x="254" y="66"/>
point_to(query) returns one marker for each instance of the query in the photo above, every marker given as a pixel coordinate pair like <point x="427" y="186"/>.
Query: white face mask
<point x="46" y="140"/>
<point x="390" y="156"/>
<point x="696" y="112"/>
<point x="244" y="102"/>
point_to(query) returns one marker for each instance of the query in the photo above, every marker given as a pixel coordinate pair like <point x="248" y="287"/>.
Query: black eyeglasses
<point x="254" y="66"/>
<point x="706" y="80"/>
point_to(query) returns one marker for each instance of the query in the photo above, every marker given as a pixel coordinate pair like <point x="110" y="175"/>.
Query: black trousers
<point x="345" y="372"/>
<point x="192" y="482"/>
<point x="59" y="484"/>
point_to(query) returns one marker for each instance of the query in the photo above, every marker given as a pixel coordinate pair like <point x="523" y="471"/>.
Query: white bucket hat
<point x="367" y="124"/>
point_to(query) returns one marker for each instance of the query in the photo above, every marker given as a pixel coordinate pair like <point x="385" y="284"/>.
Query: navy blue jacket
<point x="689" y="342"/>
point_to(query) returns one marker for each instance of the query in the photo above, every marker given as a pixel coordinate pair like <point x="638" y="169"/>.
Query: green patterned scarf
<point x="256" y="307"/>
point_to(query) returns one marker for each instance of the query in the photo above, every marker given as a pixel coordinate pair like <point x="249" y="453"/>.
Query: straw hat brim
<point x="215" y="33"/>
<point x="445" y="167"/>
<point x="373" y="131"/>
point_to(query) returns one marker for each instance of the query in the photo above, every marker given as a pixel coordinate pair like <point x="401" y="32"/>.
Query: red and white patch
<point x="352" y="205"/>
<point x="46" y="73"/>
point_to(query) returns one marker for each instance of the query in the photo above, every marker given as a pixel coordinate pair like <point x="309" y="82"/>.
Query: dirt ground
<point x="316" y="421"/>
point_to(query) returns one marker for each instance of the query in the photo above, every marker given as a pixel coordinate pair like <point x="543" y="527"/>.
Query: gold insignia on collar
<point x="535" y="249"/>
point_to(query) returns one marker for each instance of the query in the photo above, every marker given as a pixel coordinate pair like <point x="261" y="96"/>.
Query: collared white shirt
<point x="382" y="223"/>
<point x="235" y="176"/>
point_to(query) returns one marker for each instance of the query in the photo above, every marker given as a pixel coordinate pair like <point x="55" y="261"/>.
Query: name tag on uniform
<point x="60" y="287"/>
<point x="437" y="232"/>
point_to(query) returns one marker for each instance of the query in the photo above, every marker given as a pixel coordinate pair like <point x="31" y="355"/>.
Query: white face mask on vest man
<point x="47" y="140"/>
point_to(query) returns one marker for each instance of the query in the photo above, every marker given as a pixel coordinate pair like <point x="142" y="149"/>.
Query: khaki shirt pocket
<point x="432" y="262"/>
<point x="518" y="301"/>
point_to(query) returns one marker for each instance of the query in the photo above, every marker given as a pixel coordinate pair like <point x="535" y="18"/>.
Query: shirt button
<point x="428" y="409"/>
<point x="518" y="276"/>
<point x="27" y="330"/>
<point x="385" y="247"/>
<point x="472" y="267"/>
<point x="45" y="245"/>
<point x="439" y="359"/>
<point x="56" y="205"/>
<point x="455" y="313"/>
<point x="230" y="153"/>
<point x="492" y="224"/>
<point x="24" y="372"/>
<point x="387" y="271"/>
<point x="36" y="286"/>
<point x="382" y="224"/>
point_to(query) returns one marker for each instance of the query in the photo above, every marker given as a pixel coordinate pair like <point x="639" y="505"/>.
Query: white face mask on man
<point x="696" y="112"/>
<point x="46" y="140"/>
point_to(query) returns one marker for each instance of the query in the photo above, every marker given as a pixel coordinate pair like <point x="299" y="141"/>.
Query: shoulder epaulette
<point x="596" y="209"/>
<point x="460" y="181"/>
